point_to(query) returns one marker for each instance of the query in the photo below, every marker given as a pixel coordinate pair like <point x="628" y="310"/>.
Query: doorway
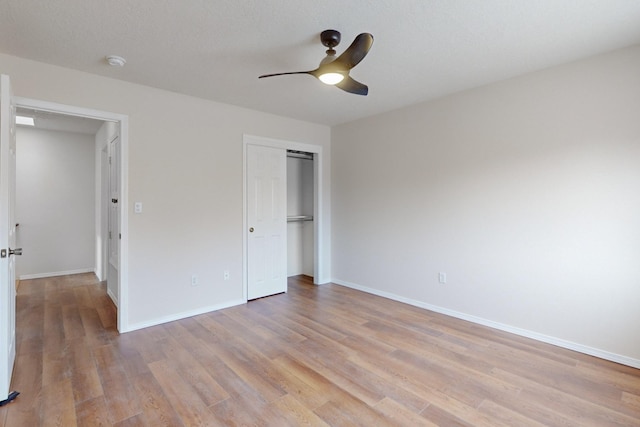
<point x="300" y="192"/>
<point x="55" y="194"/>
<point x="251" y="258"/>
<point x="118" y="247"/>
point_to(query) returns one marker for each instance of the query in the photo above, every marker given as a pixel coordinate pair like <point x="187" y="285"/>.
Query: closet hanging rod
<point x="299" y="155"/>
<point x="299" y="218"/>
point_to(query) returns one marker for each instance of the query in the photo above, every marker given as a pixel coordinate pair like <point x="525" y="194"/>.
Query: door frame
<point x="123" y="121"/>
<point x="318" y="219"/>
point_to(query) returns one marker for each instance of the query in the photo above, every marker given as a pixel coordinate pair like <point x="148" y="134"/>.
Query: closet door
<point x="267" y="221"/>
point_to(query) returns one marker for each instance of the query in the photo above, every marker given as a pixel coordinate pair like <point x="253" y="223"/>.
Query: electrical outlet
<point x="194" y="280"/>
<point x="226" y="275"/>
<point x="442" y="277"/>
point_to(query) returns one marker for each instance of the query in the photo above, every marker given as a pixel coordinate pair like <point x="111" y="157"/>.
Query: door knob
<point x="16" y="251"/>
<point x="251" y="230"/>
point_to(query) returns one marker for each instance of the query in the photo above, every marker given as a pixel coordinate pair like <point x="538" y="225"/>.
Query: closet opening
<point x="300" y="208"/>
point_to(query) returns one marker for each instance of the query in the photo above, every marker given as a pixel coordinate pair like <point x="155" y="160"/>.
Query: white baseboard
<point x="602" y="354"/>
<point x="55" y="274"/>
<point x="113" y="297"/>
<point x="183" y="315"/>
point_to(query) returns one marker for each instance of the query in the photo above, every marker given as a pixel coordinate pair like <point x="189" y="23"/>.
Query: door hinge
<point x="3" y="253"/>
<point x="109" y="159"/>
<point x="109" y="235"/>
<point x="120" y="236"/>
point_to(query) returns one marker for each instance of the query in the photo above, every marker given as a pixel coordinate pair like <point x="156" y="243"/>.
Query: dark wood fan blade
<point x="352" y="86"/>
<point x="284" y="74"/>
<point x="356" y="52"/>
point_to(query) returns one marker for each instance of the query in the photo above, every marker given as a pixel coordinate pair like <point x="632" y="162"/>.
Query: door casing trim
<point x="123" y="120"/>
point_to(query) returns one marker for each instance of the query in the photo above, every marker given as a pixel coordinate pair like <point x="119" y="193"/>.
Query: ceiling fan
<point x="335" y="70"/>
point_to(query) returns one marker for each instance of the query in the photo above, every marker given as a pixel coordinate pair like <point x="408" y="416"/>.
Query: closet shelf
<point x="299" y="218"/>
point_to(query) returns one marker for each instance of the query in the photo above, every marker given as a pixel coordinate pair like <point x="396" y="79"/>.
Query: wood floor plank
<point x="96" y="335"/>
<point x="86" y="385"/>
<point x="130" y="358"/>
<point x="632" y="400"/>
<point x="441" y="417"/>
<point x="54" y="336"/>
<point x="121" y="399"/>
<point x="297" y="413"/>
<point x="247" y="362"/>
<point x="92" y="413"/>
<point x="155" y="404"/>
<point x="108" y="364"/>
<point x="249" y="410"/>
<point x="230" y="381"/>
<point x="261" y="377"/>
<point x="260" y="339"/>
<point x="23" y="415"/>
<point x="58" y="407"/>
<point x="189" y="407"/>
<point x="311" y="390"/>
<point x="400" y="415"/>
<point x="575" y="408"/>
<point x="190" y="369"/>
<point x="72" y="322"/>
<point x="29" y="379"/>
<point x="146" y="342"/>
<point x="235" y="412"/>
<point x="506" y="417"/>
<point x="537" y="411"/>
<point x="349" y="411"/>
<point x="316" y="355"/>
<point x="136" y="421"/>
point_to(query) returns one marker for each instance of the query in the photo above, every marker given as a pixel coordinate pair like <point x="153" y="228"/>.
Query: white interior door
<point x="267" y="221"/>
<point x="114" y="192"/>
<point x="114" y="212"/>
<point x="7" y="236"/>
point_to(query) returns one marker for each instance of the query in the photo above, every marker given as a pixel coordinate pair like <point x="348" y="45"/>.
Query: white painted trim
<point x="123" y="120"/>
<point x="318" y="218"/>
<point x="113" y="297"/>
<point x="570" y="345"/>
<point x="183" y="315"/>
<point x="123" y="271"/>
<point x="56" y="274"/>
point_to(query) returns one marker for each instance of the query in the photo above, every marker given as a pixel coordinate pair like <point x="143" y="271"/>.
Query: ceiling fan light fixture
<point x="331" y="78"/>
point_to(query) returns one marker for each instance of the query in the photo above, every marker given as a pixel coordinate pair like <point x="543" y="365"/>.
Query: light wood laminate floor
<point x="315" y="356"/>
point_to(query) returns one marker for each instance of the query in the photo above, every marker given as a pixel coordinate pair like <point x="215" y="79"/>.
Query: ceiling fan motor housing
<point x="330" y="38"/>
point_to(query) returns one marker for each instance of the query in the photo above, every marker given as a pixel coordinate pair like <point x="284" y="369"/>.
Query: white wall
<point x="525" y="192"/>
<point x="185" y="166"/>
<point x="299" y="202"/>
<point x="54" y="202"/>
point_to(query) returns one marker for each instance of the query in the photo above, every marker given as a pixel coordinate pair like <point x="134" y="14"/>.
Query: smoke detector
<point x="115" y="60"/>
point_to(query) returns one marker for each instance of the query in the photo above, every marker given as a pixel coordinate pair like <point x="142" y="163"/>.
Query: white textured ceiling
<point x="216" y="49"/>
